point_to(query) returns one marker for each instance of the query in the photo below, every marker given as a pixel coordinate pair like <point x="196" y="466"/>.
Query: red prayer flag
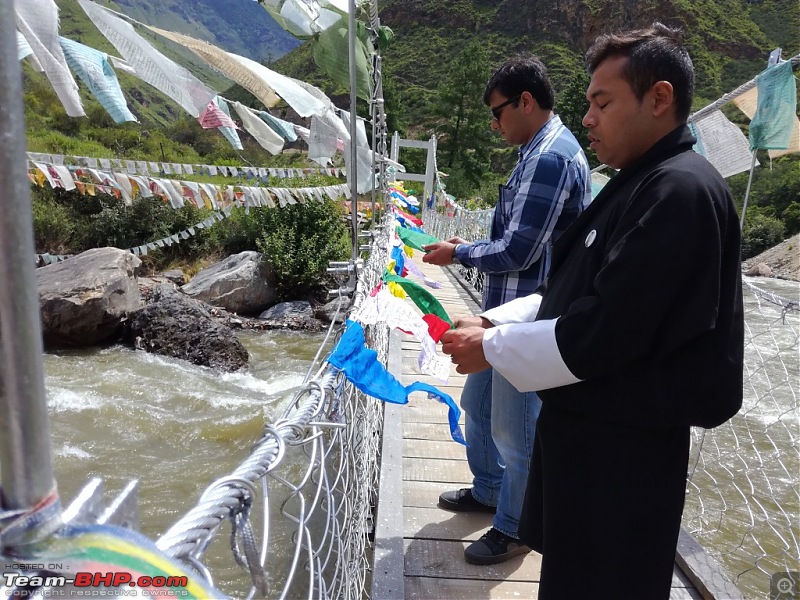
<point x="213" y="116"/>
<point x="436" y="326"/>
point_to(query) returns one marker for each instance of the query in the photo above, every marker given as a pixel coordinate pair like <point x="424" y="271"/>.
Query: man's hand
<point x="472" y="321"/>
<point x="465" y="348"/>
<point x="457" y="240"/>
<point x="440" y="253"/>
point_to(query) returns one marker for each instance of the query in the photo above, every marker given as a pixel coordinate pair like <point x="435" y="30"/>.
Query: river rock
<point x="178" y="326"/>
<point x="328" y="311"/>
<point x="242" y="283"/>
<point x="297" y="314"/>
<point x="176" y="276"/>
<point x="297" y="309"/>
<point x="759" y="270"/>
<point x="83" y="300"/>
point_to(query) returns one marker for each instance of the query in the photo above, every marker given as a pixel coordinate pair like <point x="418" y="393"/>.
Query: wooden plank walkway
<point x="421" y="464"/>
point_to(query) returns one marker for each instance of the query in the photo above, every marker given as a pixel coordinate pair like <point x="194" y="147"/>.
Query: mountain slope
<point x="239" y="26"/>
<point x="729" y="39"/>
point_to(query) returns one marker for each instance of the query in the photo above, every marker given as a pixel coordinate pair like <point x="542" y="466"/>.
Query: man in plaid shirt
<point x="548" y="188"/>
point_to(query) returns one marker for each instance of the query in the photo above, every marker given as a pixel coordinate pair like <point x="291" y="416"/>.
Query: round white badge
<point x="590" y="238"/>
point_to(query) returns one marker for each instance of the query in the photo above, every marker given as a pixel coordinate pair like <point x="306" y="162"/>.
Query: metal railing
<point x="333" y="432"/>
<point x="743" y="491"/>
<point x="448" y="219"/>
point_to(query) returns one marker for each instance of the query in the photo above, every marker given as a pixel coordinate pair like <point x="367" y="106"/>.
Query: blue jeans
<point x="500" y="423"/>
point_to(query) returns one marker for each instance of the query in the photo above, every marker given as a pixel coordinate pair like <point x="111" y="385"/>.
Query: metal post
<point x="25" y="463"/>
<point x="352" y="170"/>
<point x="747" y="192"/>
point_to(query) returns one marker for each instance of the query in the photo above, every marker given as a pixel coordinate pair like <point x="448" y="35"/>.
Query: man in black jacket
<point x="636" y="335"/>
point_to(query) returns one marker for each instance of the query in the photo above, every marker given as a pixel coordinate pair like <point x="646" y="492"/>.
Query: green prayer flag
<point x="331" y="53"/>
<point x="415" y="239"/>
<point x="771" y="127"/>
<point x="424" y="300"/>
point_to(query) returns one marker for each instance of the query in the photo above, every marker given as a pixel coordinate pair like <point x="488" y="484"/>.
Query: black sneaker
<point x="494" y="547"/>
<point x="463" y="501"/>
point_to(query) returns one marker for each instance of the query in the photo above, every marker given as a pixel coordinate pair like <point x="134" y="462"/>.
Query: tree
<point x="572" y="105"/>
<point x="464" y="128"/>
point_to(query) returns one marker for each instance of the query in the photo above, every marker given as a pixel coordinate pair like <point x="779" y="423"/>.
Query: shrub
<point x="761" y="232"/>
<point x="112" y="223"/>
<point x="239" y="232"/>
<point x="299" y="241"/>
<point x="52" y="226"/>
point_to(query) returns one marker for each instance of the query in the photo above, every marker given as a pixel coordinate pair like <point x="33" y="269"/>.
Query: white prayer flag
<point x="37" y="21"/>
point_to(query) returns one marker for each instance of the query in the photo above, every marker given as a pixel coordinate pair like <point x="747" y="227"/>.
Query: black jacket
<point x="647" y="285"/>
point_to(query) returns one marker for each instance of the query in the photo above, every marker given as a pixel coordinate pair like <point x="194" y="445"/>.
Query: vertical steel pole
<point x="352" y="170"/>
<point x="747" y="192"/>
<point x="26" y="471"/>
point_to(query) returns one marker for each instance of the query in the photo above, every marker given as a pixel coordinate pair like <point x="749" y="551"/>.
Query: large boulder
<point x="242" y="283"/>
<point x="335" y="309"/>
<point x="297" y="314"/>
<point x="83" y="300"/>
<point x="759" y="270"/>
<point x="297" y="309"/>
<point x="175" y="325"/>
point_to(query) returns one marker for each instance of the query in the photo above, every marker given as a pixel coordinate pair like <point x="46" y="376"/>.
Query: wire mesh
<point x="448" y="219"/>
<point x="331" y="435"/>
<point x="743" y="492"/>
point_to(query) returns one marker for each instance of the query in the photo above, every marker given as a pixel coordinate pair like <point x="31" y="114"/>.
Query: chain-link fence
<point x="448" y="220"/>
<point x="314" y="469"/>
<point x="743" y="493"/>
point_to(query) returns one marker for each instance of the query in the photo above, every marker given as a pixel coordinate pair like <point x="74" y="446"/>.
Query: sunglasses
<point x="497" y="111"/>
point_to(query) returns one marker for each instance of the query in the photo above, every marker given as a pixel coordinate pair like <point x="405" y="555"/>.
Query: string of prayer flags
<point x="155" y="168"/>
<point x="412" y="268"/>
<point x="771" y="127"/>
<point x="408" y="217"/>
<point x="399" y="260"/>
<point x="150" y="65"/>
<point x="424" y="300"/>
<point x="383" y="307"/>
<point x="362" y="368"/>
<point x="415" y="239"/>
<point x="94" y="69"/>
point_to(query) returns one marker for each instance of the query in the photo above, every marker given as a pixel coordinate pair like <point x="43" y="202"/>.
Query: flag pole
<point x="26" y="471"/>
<point x="352" y="169"/>
<point x="747" y="192"/>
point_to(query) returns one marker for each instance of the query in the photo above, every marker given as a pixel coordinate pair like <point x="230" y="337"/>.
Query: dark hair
<point x="654" y="54"/>
<point x="522" y="73"/>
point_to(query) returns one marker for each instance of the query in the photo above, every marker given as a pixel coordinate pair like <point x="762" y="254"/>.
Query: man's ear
<point x="663" y="97"/>
<point x="528" y="101"/>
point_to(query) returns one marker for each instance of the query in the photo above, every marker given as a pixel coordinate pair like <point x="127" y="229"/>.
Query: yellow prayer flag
<point x="397" y="290"/>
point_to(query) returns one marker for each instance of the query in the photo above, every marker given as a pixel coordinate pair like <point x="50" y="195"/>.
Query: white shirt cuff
<point x="527" y="355"/>
<point x="519" y="310"/>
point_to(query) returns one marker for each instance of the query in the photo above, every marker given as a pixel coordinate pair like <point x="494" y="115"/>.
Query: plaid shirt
<point x="547" y="190"/>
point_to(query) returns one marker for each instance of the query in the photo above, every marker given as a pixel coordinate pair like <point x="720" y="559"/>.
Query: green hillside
<point x="240" y="26"/>
<point x="729" y="39"/>
<point x="440" y="43"/>
<point x="165" y="131"/>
